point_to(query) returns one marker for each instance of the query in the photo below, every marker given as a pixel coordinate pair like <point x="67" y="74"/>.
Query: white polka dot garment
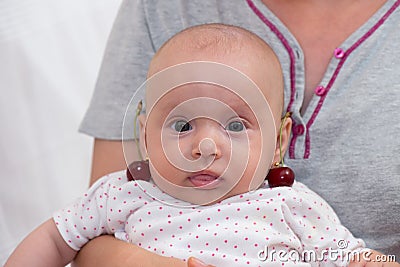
<point x="274" y="227"/>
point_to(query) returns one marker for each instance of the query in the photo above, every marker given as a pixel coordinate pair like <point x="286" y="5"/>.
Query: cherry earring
<point x="138" y="170"/>
<point x="280" y="175"/>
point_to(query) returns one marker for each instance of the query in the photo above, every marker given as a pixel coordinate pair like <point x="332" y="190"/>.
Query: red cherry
<point x="138" y="170"/>
<point x="280" y="176"/>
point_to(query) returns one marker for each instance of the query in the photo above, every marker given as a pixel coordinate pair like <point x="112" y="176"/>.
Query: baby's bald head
<point x="230" y="45"/>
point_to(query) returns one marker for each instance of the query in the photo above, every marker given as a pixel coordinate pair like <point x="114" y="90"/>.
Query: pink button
<point x="320" y="90"/>
<point x="339" y="52"/>
<point x="298" y="129"/>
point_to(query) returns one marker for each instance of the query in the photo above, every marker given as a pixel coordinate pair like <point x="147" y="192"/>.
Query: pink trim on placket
<point x="339" y="67"/>
<point x="292" y="66"/>
<point x="331" y="81"/>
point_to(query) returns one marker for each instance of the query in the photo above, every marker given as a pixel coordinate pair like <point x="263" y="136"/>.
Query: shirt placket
<point x="300" y="143"/>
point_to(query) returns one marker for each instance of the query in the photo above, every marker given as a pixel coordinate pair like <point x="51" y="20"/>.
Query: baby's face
<point x="207" y="141"/>
<point x="204" y="143"/>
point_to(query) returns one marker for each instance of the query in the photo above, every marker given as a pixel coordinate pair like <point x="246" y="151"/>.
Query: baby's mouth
<point x="205" y="180"/>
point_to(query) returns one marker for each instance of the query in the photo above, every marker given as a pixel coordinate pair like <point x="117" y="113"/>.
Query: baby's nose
<point x="208" y="142"/>
<point x="207" y="147"/>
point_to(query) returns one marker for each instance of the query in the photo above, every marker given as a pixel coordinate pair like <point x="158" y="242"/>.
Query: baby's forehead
<point x="204" y="100"/>
<point x="203" y="91"/>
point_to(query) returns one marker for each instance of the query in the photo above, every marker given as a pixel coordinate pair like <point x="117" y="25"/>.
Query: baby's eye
<point x="181" y="126"/>
<point x="235" y="126"/>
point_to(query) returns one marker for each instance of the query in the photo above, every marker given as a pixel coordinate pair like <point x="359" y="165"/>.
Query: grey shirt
<point x="346" y="145"/>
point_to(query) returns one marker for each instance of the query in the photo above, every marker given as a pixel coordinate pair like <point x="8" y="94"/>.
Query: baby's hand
<point x="373" y="258"/>
<point x="194" y="262"/>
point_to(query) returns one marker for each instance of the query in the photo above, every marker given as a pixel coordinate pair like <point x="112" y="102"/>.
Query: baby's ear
<point x="282" y="143"/>
<point x="142" y="134"/>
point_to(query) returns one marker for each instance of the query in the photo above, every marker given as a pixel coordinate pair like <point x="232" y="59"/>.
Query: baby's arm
<point x="43" y="247"/>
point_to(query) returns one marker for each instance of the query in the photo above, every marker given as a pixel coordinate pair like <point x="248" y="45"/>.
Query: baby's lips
<point x="205" y="179"/>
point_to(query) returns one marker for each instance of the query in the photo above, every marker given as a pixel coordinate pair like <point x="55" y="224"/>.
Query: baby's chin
<point x="206" y="194"/>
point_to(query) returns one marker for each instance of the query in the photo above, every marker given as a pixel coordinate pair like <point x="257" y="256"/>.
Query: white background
<point x="50" y="54"/>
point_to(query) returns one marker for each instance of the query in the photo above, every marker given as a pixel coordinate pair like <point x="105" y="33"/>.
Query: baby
<point x="211" y="132"/>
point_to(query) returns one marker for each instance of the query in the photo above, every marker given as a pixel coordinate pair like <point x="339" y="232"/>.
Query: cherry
<point x="138" y="170"/>
<point x="280" y="176"/>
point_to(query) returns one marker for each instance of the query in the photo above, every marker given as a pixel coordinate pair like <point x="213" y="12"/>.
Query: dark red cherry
<point x="138" y="170"/>
<point x="280" y="176"/>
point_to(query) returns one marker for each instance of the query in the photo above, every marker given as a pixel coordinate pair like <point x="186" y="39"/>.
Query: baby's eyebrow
<point x="241" y="108"/>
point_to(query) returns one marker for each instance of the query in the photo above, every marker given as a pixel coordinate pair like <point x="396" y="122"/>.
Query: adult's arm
<point x="105" y="250"/>
<point x="108" y="157"/>
<point x="109" y="251"/>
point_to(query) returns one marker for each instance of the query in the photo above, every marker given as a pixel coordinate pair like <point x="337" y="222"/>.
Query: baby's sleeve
<point x="325" y="241"/>
<point x="89" y="216"/>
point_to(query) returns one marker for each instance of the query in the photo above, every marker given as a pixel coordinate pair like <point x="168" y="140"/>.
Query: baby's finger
<point x="194" y="262"/>
<point x="357" y="264"/>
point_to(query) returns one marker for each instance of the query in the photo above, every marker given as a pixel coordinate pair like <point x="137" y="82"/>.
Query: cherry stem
<point x="138" y="110"/>
<point x="287" y="115"/>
